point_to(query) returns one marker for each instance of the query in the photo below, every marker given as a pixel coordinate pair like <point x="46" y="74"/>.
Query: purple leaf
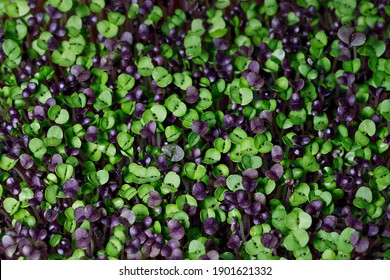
<point x="71" y="187"/>
<point x="266" y="115"/>
<point x="199" y="191"/>
<point x="255" y="80"/>
<point x="277" y="153"/>
<point x="362" y="245"/>
<point x="269" y="240"/>
<point x="154" y="199"/>
<point x="210" y="226"/>
<point x="234" y="242"/>
<point x="213" y="255"/>
<point x="176" y="230"/>
<point x="200" y="127"/>
<point x="128" y="216"/>
<point x="149" y="130"/>
<point x="79" y="214"/>
<point x="257" y="125"/>
<point x="26" y="161"/>
<point x="354" y="239"/>
<point x="275" y="173"/>
<point x="91" y="134"/>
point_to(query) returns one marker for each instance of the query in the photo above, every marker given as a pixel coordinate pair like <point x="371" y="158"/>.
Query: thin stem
<point x="37" y="214"/>
<point x="242" y="232"/>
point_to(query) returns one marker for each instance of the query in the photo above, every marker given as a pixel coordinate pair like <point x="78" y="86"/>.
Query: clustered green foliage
<point x="220" y="129"/>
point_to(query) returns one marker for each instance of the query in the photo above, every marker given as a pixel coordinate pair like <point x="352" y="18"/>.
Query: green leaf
<point x="11" y="205"/>
<point x="25" y="195"/>
<point x="125" y="140"/>
<point x="298" y="117"/>
<point x="102" y="176"/>
<point x="300" y="195"/>
<point x="57" y="114"/>
<point x="279" y="216"/>
<point x="344" y="244"/>
<point x="282" y="83"/>
<point x="62" y="5"/>
<point x="320" y="240"/>
<point x="253" y="27"/>
<point x="11" y="49"/>
<point x="7" y="163"/>
<point x="298" y="219"/>
<point x="133" y="11"/>
<point x="64" y="171"/>
<point x="328" y="255"/>
<point x="172" y="179"/>
<point x="116" y="18"/>
<point x="247" y="147"/>
<point x="97" y="6"/>
<point x="291" y="243"/>
<point x="37" y="147"/>
<point x="76" y="46"/>
<point x="242" y="96"/>
<point x="270" y="7"/>
<point x="309" y="163"/>
<point x="172" y="133"/>
<point x="174" y="104"/>
<point x="55" y="240"/>
<point x="140" y="211"/>
<point x="361" y="138"/>
<point x="352" y="66"/>
<point x="76" y="100"/>
<point x="321" y="121"/>
<point x="222" y="4"/>
<point x="54" y="136"/>
<point x="384" y="109"/>
<point x="51" y="194"/>
<point x="364" y="193"/>
<point x="73" y="26"/>
<point x="194" y="171"/>
<point x="193" y="45"/>
<point x="234" y="183"/>
<point x="212" y="156"/>
<point x="196" y="249"/>
<point x="156" y="14"/>
<point x="254" y="246"/>
<point x="64" y="58"/>
<point x="303" y="254"/>
<point x="368" y="127"/>
<point x="157" y="113"/>
<point x="345" y="7"/>
<point x="145" y="66"/>
<point x="238" y="135"/>
<point x="301" y="236"/>
<point x="382" y="177"/>
<point x="182" y="81"/>
<point x="205" y="99"/>
<point x="218" y="28"/>
<point x="222" y="145"/>
<point x="104" y="100"/>
<point x="17" y="9"/>
<point x="127" y="192"/>
<point x="161" y="76"/>
<point x="196" y="28"/>
<point x="324" y="63"/>
<point x="321" y="37"/>
<point x="107" y="29"/>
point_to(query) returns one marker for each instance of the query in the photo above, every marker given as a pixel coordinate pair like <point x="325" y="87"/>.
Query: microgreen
<point x="194" y="130"/>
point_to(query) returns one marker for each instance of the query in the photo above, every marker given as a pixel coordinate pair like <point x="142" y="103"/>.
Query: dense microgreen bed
<point x="194" y="129"/>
